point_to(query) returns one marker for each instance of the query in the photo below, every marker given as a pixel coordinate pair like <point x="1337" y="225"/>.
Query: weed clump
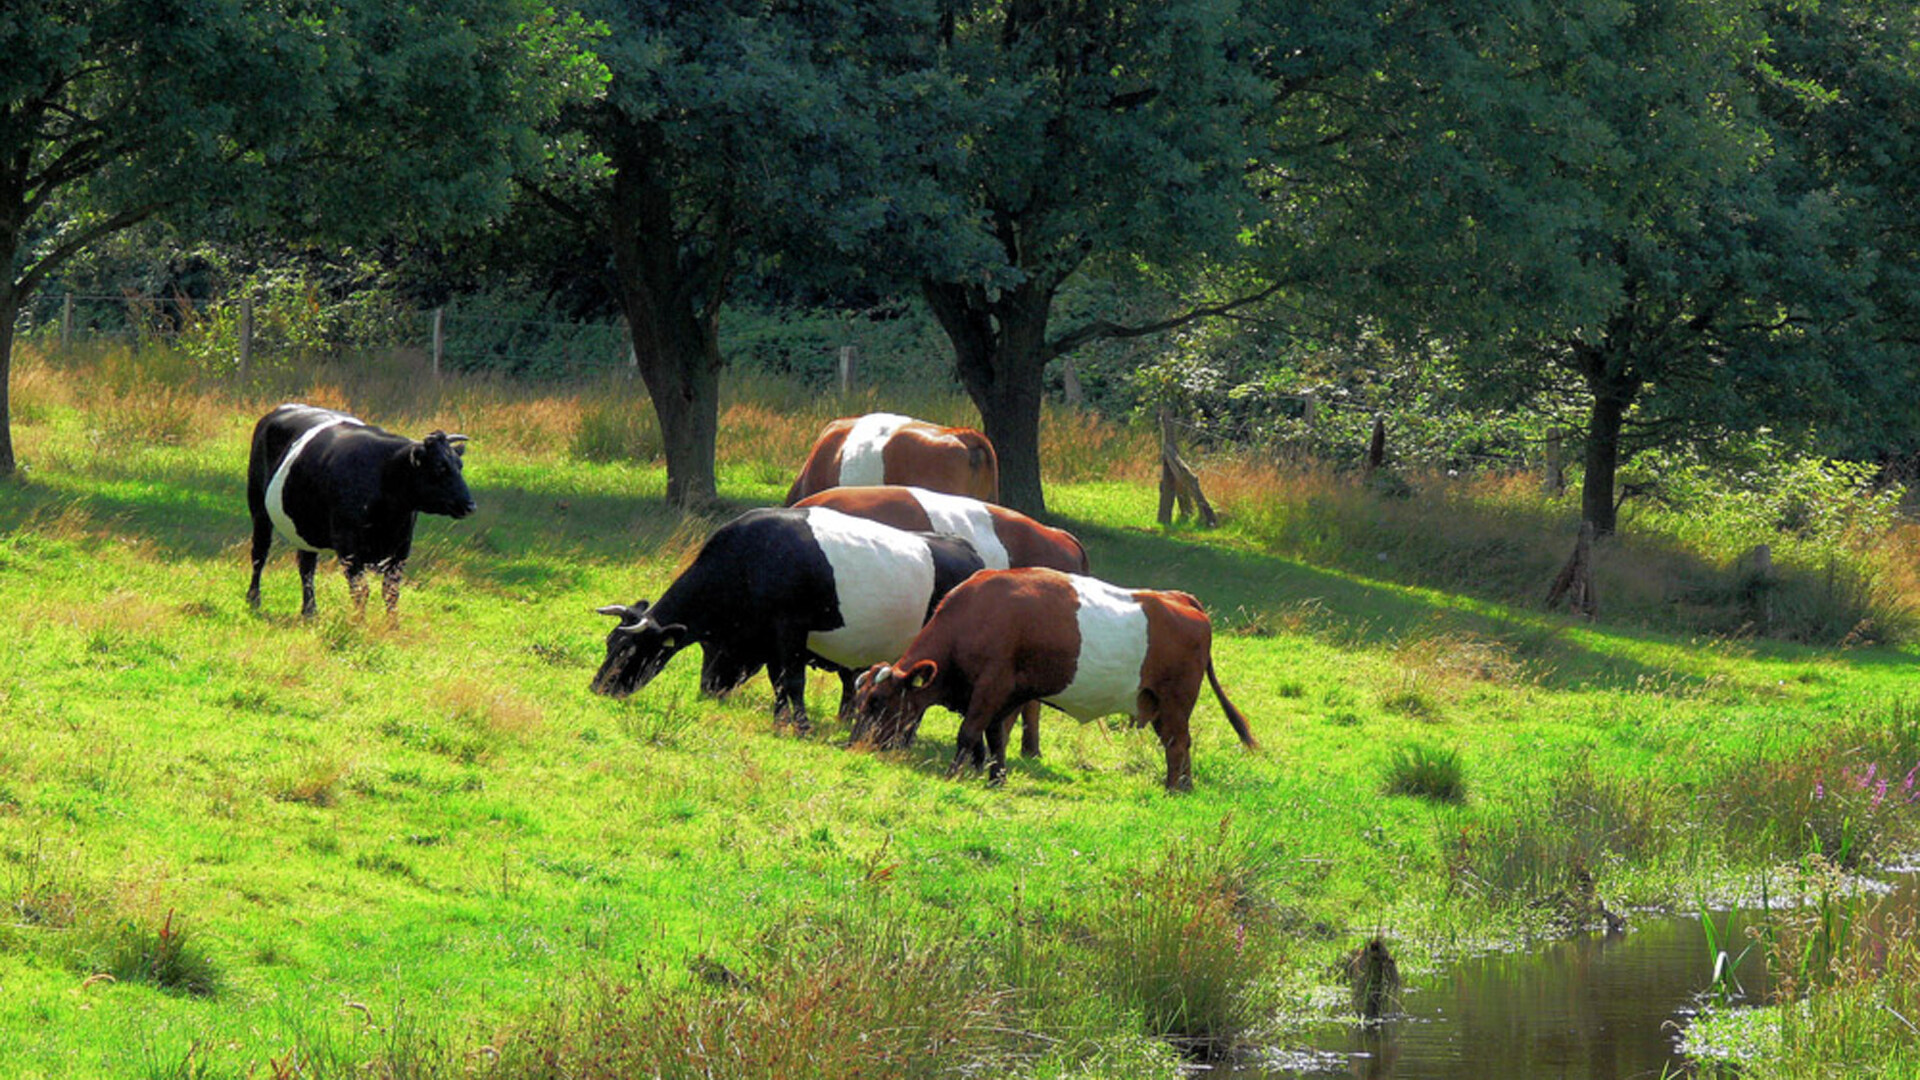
<point x="1187" y="944"/>
<point x="1426" y="772"/>
<point x="168" y="957"/>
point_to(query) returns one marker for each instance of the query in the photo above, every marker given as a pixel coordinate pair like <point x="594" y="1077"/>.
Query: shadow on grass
<point x="1238" y="586"/>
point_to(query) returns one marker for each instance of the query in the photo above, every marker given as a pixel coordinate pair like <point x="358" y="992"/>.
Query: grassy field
<point x="250" y="845"/>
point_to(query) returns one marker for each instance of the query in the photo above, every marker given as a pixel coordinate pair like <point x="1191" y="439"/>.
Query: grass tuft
<point x="1426" y="772"/>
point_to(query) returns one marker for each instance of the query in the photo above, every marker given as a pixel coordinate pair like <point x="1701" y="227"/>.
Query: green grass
<point x="431" y="848"/>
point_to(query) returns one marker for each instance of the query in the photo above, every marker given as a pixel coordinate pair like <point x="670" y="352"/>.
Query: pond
<point x="1595" y="1007"/>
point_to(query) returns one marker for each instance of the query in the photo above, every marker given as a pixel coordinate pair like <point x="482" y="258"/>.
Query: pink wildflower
<point x="1819" y="789"/>
<point x="1879" y="793"/>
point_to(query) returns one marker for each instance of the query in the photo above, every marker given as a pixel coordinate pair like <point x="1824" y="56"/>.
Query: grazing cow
<point x="1005" y="538"/>
<point x="887" y="448"/>
<point x="1007" y="637"/>
<point x="782" y="589"/>
<point x="329" y="482"/>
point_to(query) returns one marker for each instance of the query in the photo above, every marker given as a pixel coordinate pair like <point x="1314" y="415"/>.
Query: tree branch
<point x="73" y="244"/>
<point x="561" y="207"/>
<point x="1104" y="329"/>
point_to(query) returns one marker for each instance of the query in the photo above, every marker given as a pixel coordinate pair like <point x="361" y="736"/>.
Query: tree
<point x="355" y="119"/>
<point x="734" y="135"/>
<point x="1108" y="134"/>
<point x="1592" y="192"/>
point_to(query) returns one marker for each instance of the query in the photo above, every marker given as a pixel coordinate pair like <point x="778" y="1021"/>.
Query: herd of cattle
<point x="890" y="565"/>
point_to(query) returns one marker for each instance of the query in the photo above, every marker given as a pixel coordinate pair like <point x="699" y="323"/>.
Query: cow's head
<point x="888" y="702"/>
<point x="636" y="649"/>
<point x="435" y="467"/>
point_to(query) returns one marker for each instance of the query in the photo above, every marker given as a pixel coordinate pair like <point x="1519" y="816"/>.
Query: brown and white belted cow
<point x="1007" y="637"/>
<point x="1004" y="538"/>
<point x="888" y="448"/>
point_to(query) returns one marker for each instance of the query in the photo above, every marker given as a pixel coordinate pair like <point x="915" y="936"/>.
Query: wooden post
<point x="1178" y="484"/>
<point x="1377" y="447"/>
<point x="246" y="336"/>
<point x="439" y="338"/>
<point x="1310" y="415"/>
<point x="1070" y="381"/>
<point x="1555" y="481"/>
<point x="1760" y="588"/>
<point x="66" y="323"/>
<point x="1575" y="583"/>
<point x="849" y="358"/>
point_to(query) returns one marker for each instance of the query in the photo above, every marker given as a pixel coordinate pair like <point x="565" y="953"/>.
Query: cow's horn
<point x="456" y="437"/>
<point x="618" y="610"/>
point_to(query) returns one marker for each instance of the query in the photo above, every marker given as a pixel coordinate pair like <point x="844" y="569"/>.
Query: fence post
<point x="1377" y="446"/>
<point x="246" y="336"/>
<point x="1070" y="380"/>
<point x="1310" y="415"/>
<point x="849" y="357"/>
<point x="439" y="337"/>
<point x="66" y="323"/>
<point x="1555" y="481"/>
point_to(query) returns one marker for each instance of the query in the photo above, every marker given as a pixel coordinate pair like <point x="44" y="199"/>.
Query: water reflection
<point x="1599" y="1007"/>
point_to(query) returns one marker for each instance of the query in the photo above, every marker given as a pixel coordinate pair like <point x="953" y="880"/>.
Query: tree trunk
<point x="681" y="368"/>
<point x="9" y="313"/>
<point x="673" y="323"/>
<point x="1000" y="351"/>
<point x="1612" y="395"/>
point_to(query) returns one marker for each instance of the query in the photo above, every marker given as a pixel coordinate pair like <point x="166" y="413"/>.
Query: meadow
<point x="237" y="844"/>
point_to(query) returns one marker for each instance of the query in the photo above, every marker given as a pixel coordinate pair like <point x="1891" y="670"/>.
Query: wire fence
<point x="246" y="330"/>
<point x="233" y="335"/>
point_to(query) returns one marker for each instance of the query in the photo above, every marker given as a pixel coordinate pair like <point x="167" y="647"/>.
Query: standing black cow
<point x="782" y="589"/>
<point x="329" y="482"/>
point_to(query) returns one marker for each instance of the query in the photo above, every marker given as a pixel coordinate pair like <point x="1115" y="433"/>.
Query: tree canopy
<point x="331" y="122"/>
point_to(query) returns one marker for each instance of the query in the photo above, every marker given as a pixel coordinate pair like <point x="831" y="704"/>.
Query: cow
<point x="782" y="588"/>
<point x="327" y="481"/>
<point x="1005" y="538"/>
<point x="1090" y="649"/>
<point x="888" y="448"/>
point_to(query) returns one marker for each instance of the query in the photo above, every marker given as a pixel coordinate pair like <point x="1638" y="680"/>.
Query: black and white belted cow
<point x="327" y="481"/>
<point x="783" y="589"/>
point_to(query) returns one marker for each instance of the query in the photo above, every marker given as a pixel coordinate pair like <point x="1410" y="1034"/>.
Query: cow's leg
<point x="391" y="572"/>
<point x="356" y="572"/>
<point x="1169" y="715"/>
<point x="847" y="679"/>
<point x="788" y="673"/>
<point x="307" y="561"/>
<point x="1030" y="730"/>
<point x="970" y="743"/>
<point x="985" y="709"/>
<point x="262" y="540"/>
<point x="997" y="733"/>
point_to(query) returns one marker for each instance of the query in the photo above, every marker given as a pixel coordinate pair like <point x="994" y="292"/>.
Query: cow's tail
<point x="1238" y="721"/>
<point x="983" y="464"/>
<point x="1086" y="565"/>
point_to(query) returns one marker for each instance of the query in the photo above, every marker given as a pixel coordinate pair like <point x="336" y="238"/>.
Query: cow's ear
<point x="417" y="454"/>
<point x="672" y="637"/>
<point x="921" y="674"/>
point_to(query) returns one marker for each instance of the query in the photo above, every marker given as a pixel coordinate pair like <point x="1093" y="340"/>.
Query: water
<point x="1597" y="1007"/>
